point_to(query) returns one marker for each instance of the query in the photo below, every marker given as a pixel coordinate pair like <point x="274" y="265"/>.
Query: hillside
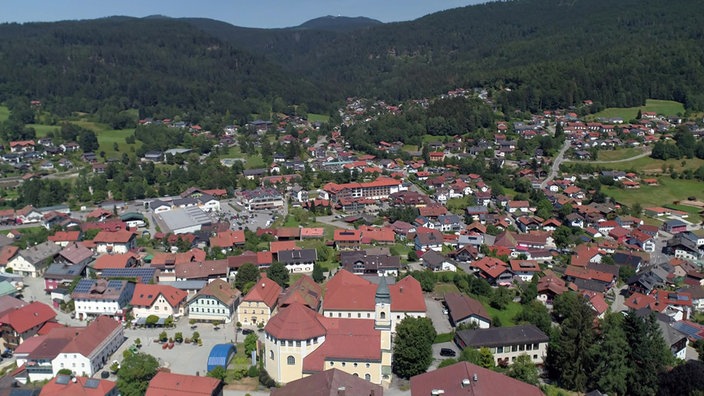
<point x="339" y="23"/>
<point x="548" y="52"/>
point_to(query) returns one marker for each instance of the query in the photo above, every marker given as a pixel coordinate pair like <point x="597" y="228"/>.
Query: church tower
<point x="382" y="322"/>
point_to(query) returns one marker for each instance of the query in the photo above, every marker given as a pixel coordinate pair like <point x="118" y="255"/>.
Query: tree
<point x="218" y="372"/>
<point x="413" y="348"/>
<point x="248" y="274"/>
<point x="568" y="359"/>
<point x="278" y="273"/>
<point x="135" y="373"/>
<point x="685" y="379"/>
<point x="318" y="275"/>
<point x="562" y="236"/>
<point x="501" y="297"/>
<point x="524" y="369"/>
<point x="535" y="313"/>
<point x="250" y="343"/>
<point x="648" y="353"/>
<point x="481" y="357"/>
<point x="610" y="356"/>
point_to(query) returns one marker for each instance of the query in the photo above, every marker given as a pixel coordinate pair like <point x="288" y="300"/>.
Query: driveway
<point x="440" y="320"/>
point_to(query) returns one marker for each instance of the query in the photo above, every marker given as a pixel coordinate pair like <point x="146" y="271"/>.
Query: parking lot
<point x="436" y="315"/>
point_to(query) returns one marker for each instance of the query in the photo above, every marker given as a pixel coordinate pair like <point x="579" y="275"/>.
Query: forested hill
<point x="548" y="52"/>
<point x="161" y="66"/>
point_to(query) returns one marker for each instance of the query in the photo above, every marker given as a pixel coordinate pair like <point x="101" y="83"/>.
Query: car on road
<point x="247" y="331"/>
<point x="447" y="352"/>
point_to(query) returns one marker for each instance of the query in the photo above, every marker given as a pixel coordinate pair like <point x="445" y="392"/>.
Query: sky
<point x="247" y="13"/>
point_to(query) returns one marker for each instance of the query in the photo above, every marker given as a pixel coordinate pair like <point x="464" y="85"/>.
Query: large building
<point x="216" y="301"/>
<point x="102" y="297"/>
<point x="91" y="348"/>
<point x="260" y="302"/>
<point x="380" y="188"/>
<point x="170" y="384"/>
<point x="507" y="343"/>
<point x="352" y="297"/>
<point x="183" y="220"/>
<point x="300" y="342"/>
<point x="158" y="300"/>
<point x="262" y="198"/>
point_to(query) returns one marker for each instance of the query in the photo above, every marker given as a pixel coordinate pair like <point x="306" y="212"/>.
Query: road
<point x="556" y="163"/>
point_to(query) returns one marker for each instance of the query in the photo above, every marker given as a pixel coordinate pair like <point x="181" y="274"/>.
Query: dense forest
<point x="529" y="54"/>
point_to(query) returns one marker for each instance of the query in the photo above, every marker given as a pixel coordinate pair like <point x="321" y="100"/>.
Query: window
<point x="369" y="315"/>
<point x="383" y="315"/>
<point x="349" y="314"/>
<point x="271" y="354"/>
<point x="535" y="356"/>
<point x="343" y="364"/>
<point x="292" y="360"/>
<point x="367" y="377"/>
<point x="368" y="365"/>
<point x="529" y="347"/>
<point x="359" y="315"/>
<point x="500" y="349"/>
<point x="290" y="343"/>
<point x="514" y="348"/>
<point x="354" y="365"/>
<point x="513" y="359"/>
<point x="521" y="347"/>
<point x="298" y="344"/>
<point x="535" y="346"/>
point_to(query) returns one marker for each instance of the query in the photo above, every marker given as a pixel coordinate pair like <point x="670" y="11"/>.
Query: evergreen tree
<point x="648" y="353"/>
<point x="568" y="354"/>
<point x="610" y="355"/>
<point x="318" y="275"/>
<point x="247" y="275"/>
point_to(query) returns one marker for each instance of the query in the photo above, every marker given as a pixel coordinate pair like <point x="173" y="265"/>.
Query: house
<point x="464" y="309"/>
<point x="34" y="260"/>
<point x="366" y="262"/>
<point x="96" y="297"/>
<point x="549" y="287"/>
<point x="465" y="378"/>
<point x="331" y="382"/>
<point x="63" y="385"/>
<point x="507" y="343"/>
<point x="19" y="323"/>
<point x="438" y="262"/>
<point x="351" y="296"/>
<point x="495" y="271"/>
<point x="64" y="238"/>
<point x="158" y="300"/>
<point x="60" y="275"/>
<point x="347" y="239"/>
<point x="171" y="384"/>
<point x="300" y="342"/>
<point x="90" y="350"/>
<point x="524" y="269"/>
<point x="120" y="241"/>
<point x="298" y="260"/>
<point x="227" y="240"/>
<point x="106" y="261"/>
<point x="674" y="226"/>
<point x="427" y="239"/>
<point x="75" y="254"/>
<point x="260" y="303"/>
<point x="216" y="301"/>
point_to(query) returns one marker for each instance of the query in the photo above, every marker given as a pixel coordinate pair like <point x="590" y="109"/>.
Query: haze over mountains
<point x="548" y="53"/>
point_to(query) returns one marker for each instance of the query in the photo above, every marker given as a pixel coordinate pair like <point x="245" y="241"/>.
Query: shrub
<point x="178" y="337"/>
<point x="66" y="371"/>
<point x="163" y="337"/>
<point x="265" y="379"/>
<point x="151" y="320"/>
<point x="253" y="372"/>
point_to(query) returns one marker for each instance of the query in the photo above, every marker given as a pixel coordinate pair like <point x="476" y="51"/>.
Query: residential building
<point x="464" y="309"/>
<point x="360" y="262"/>
<point x="331" y="382"/>
<point x="65" y="385"/>
<point x="380" y="188"/>
<point x="427" y="239"/>
<point x="465" y="378"/>
<point x="91" y="349"/>
<point x="298" y="260"/>
<point x="524" y="269"/>
<point x="260" y="303"/>
<point x="60" y="275"/>
<point x="34" y="260"/>
<point x="495" y="271"/>
<point x="347" y="239"/>
<point x="120" y="241"/>
<point x="216" y="301"/>
<point x="435" y="261"/>
<point x="507" y="343"/>
<point x="24" y="321"/>
<point x="158" y="300"/>
<point x="351" y="296"/>
<point x="304" y="291"/>
<point x="171" y="384"/>
<point x="96" y="297"/>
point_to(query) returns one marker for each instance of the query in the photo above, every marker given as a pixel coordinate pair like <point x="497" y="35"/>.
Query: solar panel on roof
<point x="92" y="383"/>
<point x="83" y="286"/>
<point x="62" y="379"/>
<point x="115" y="284"/>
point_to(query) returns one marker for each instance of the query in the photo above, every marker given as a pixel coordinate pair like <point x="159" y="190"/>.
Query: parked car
<point x="247" y="331"/>
<point x="447" y="352"/>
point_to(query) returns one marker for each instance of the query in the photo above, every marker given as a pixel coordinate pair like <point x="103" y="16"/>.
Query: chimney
<point x="475" y="377"/>
<point x="341" y="391"/>
<point x="466" y="382"/>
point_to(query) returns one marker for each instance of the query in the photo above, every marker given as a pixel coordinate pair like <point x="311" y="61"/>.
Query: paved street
<point x="439" y="319"/>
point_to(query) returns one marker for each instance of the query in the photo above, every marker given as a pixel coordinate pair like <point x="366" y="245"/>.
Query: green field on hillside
<point x="667" y="192"/>
<point x="618" y="154"/>
<point x="44" y="130"/>
<point x="312" y="117"/>
<point x="647" y="165"/>
<point x="4" y="113"/>
<point x="664" y="107"/>
<point x="108" y="137"/>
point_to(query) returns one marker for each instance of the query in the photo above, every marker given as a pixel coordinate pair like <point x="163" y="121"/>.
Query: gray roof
<point x="186" y="284"/>
<point x="383" y="294"/>
<point x="298" y="256"/>
<point x="178" y="218"/>
<point x="40" y="252"/>
<point x="501" y="336"/>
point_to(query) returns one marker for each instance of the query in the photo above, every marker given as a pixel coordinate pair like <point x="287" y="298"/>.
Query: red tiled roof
<point x="288" y="232"/>
<point x="582" y="255"/>
<point x="277" y="246"/>
<point x="77" y="387"/>
<point x="170" y="384"/>
<point x="638" y="300"/>
<point x="462" y="307"/>
<point x="345" y="339"/>
<point x="119" y="236"/>
<point x="144" y="295"/>
<point x="296" y="322"/>
<point x="113" y="261"/>
<point x="161" y="259"/>
<point x="227" y="239"/>
<point x="28" y="316"/>
<point x="347" y="235"/>
<point x="589" y="274"/>
<point x="92" y="336"/>
<point x="62" y="236"/>
<point x="7" y="253"/>
<point x="487" y="383"/>
<point x="491" y="266"/>
<point x="524" y="265"/>
<point x="266" y="291"/>
<point x="308" y="232"/>
<point x="407" y="296"/>
<point x="378" y="234"/>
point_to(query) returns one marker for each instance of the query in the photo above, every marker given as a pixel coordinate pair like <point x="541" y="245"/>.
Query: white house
<point x="121" y="241"/>
<point x="95" y="297"/>
<point x="159" y="300"/>
<point x="217" y="301"/>
<point x="34" y="260"/>
<point x="91" y="349"/>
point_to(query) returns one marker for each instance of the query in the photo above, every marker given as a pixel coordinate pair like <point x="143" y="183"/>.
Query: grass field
<point x="650" y="166"/>
<point x="615" y="155"/>
<point x="505" y="316"/>
<point x="4" y="113"/>
<point x="664" y="107"/>
<point x="667" y="192"/>
<point x="312" y="117"/>
<point x="44" y="130"/>
<point x="442" y="288"/>
<point x="251" y="161"/>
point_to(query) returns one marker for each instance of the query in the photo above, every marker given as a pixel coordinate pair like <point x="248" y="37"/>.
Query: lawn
<point x="251" y="161"/>
<point x="694" y="212"/>
<point x="108" y="137"/>
<point x="44" y="130"/>
<point x="506" y="315"/>
<point x="649" y="166"/>
<point x="442" y="288"/>
<point x="664" y="107"/>
<point x="619" y="154"/>
<point x="667" y="192"/>
<point x="4" y="113"/>
<point x="312" y="117"/>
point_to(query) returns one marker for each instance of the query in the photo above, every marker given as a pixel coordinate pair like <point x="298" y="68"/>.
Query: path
<point x="556" y="163"/>
<point x="641" y="155"/>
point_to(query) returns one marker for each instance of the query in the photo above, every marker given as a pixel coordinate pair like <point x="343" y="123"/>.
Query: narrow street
<point x="556" y="163"/>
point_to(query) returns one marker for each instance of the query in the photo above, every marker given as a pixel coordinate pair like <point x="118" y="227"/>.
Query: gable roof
<point x="113" y="261"/>
<point x="77" y="386"/>
<point x="170" y="384"/>
<point x="501" y="336"/>
<point x="462" y="307"/>
<point x="28" y="316"/>
<point x="144" y="295"/>
<point x="90" y="338"/>
<point x="482" y="382"/>
<point x="328" y="383"/>
<point x="266" y="291"/>
<point x="220" y="290"/>
<point x="119" y="236"/>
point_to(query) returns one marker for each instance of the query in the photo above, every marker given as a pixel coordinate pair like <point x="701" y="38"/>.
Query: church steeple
<point x="383" y="295"/>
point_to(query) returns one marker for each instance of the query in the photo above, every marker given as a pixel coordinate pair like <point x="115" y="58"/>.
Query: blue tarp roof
<point x="220" y="355"/>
